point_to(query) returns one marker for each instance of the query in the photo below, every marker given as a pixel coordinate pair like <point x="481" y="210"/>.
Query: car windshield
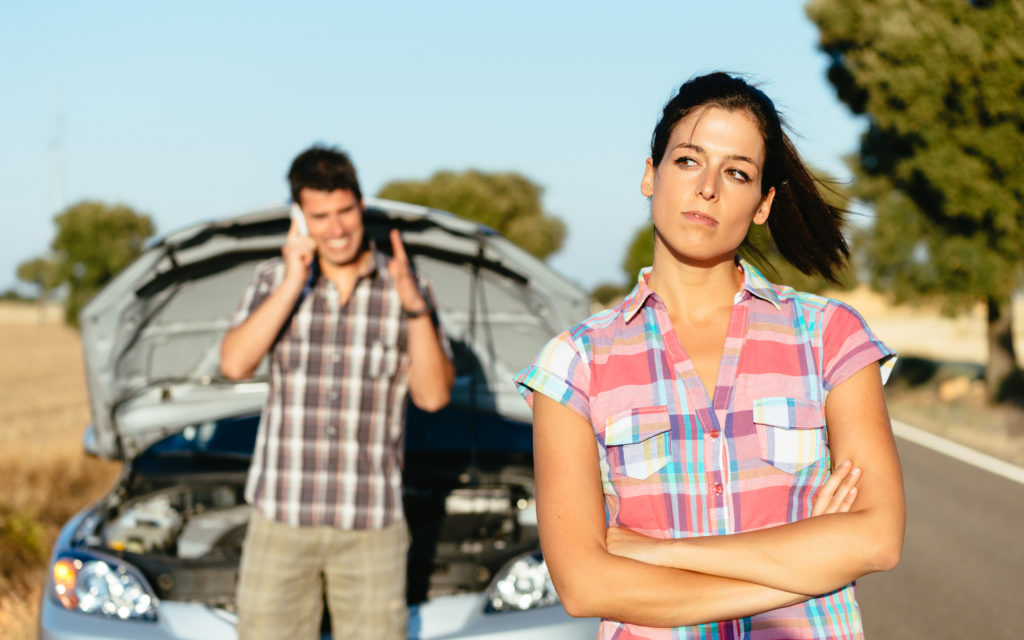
<point x="449" y="430"/>
<point x="230" y="437"/>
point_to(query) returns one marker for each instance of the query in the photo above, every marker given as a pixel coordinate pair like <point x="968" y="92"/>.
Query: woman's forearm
<point x="650" y="595"/>
<point x="591" y="581"/>
<point x="811" y="557"/>
<point x="818" y="554"/>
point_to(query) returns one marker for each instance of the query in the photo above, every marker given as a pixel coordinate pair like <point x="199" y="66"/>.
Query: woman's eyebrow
<point x="699" y="149"/>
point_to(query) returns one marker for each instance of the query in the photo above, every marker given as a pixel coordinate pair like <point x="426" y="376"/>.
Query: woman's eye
<point x="739" y="175"/>
<point x="685" y="161"/>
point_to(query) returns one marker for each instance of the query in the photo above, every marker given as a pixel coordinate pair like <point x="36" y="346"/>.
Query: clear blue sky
<point x="193" y="110"/>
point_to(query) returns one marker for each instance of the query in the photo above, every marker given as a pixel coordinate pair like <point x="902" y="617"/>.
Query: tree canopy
<point x="94" y="241"/>
<point x="41" y="273"/>
<point x="940" y="85"/>
<point x="509" y="203"/>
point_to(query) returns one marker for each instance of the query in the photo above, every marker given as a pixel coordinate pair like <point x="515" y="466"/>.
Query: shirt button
<point x="334" y="395"/>
<point x="718" y="488"/>
<point x="335" y="357"/>
<point x="331" y="430"/>
<point x="714" y="433"/>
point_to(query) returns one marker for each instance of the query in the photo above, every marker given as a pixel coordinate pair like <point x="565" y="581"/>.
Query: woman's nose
<point x="707" y="187"/>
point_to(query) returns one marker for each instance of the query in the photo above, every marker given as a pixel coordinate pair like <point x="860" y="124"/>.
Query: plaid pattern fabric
<point x="675" y="463"/>
<point x="330" y="442"/>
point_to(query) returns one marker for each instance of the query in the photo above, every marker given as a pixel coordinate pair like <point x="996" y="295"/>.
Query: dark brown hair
<point x="323" y="169"/>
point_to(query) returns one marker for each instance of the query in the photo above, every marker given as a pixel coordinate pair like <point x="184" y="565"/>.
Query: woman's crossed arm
<point x="593" y="581"/>
<point x="816" y="555"/>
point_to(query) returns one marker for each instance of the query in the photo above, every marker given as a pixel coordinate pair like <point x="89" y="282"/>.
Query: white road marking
<point x="958" y="451"/>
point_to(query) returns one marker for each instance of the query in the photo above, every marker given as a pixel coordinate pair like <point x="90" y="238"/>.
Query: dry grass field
<point x="44" y="474"/>
<point x="44" y="409"/>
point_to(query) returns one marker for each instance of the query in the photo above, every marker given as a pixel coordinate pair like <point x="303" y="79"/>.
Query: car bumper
<point x="462" y="617"/>
<point x="176" y="621"/>
<point x="448" y="618"/>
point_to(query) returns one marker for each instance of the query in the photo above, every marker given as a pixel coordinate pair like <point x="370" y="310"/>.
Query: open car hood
<point x="151" y="336"/>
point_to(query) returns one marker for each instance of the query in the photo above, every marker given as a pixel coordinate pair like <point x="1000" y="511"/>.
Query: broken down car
<point x="157" y="557"/>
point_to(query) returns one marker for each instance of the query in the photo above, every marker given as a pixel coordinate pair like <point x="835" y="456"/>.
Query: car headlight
<point x="524" y="583"/>
<point x="102" y="587"/>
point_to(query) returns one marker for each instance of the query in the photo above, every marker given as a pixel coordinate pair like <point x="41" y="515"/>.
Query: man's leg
<point x="280" y="588"/>
<point x="365" y="575"/>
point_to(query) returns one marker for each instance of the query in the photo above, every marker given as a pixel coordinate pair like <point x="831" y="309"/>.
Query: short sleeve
<point x="263" y="282"/>
<point x="848" y="346"/>
<point x="559" y="372"/>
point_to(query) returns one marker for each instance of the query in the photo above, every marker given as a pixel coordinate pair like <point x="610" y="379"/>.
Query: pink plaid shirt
<point x="675" y="463"/>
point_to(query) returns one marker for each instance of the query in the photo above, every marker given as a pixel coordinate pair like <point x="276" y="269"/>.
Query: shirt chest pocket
<point x="638" y="441"/>
<point x="292" y="353"/>
<point x="382" y="358"/>
<point x="791" y="432"/>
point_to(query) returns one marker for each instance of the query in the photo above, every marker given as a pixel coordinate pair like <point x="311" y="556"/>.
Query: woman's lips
<point x="699" y="217"/>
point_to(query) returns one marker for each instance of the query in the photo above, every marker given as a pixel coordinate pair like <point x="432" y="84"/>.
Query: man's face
<point x="335" y="222"/>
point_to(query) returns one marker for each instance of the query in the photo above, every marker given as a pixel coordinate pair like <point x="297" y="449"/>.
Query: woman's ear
<point x="647" y="183"/>
<point x="764" y="209"/>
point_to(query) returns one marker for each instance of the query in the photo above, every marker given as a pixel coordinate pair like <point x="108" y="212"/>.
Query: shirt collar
<point x="638" y="297"/>
<point x="753" y="282"/>
<point x="758" y="286"/>
<point x="377" y="264"/>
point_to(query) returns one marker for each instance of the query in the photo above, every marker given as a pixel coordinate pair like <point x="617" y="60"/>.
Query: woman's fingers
<point x="847" y="492"/>
<point x="839" y="491"/>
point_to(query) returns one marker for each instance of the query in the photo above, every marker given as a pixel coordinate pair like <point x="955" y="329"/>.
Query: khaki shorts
<point x="286" y="572"/>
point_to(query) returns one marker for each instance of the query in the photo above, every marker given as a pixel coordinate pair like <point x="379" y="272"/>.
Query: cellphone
<point x="300" y="220"/>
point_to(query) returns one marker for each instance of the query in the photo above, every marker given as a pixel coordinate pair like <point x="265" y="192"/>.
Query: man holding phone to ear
<point x="350" y="332"/>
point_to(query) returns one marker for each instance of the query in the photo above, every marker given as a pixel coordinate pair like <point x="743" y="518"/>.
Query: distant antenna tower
<point x="57" y="153"/>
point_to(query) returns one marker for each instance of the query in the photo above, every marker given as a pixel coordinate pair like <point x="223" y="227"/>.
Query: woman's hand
<point x="838" y="492"/>
<point x="835" y="496"/>
<point x="636" y="546"/>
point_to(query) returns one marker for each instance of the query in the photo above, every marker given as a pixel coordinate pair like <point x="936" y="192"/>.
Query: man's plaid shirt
<point x="330" y="442"/>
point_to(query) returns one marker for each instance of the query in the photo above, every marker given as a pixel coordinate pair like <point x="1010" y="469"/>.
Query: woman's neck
<point x="691" y="291"/>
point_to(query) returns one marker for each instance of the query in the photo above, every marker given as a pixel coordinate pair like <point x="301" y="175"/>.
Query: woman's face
<point x="707" y="188"/>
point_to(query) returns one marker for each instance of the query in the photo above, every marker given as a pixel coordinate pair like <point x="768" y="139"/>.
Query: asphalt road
<point x="962" y="571"/>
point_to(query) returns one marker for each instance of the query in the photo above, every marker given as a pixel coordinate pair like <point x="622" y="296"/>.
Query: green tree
<point x="639" y="254"/>
<point x="41" y="273"/>
<point x="608" y="293"/>
<point x="94" y="241"/>
<point x="507" y="202"/>
<point x="940" y="85"/>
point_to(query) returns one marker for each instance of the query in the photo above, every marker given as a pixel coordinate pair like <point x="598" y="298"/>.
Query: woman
<point x="684" y="440"/>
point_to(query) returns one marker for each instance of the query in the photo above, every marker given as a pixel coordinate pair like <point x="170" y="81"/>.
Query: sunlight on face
<point x="335" y="222"/>
<point x="706" y="191"/>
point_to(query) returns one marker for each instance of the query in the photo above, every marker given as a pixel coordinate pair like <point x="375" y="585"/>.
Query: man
<point x="349" y="332"/>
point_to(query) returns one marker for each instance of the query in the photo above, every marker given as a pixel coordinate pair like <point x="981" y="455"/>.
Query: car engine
<point x="187" y="539"/>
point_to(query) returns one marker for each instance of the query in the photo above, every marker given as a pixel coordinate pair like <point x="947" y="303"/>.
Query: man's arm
<point x="244" y="346"/>
<point x="431" y="373"/>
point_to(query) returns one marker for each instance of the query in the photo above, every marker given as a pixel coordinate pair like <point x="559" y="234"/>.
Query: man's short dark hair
<point x="323" y="169"/>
